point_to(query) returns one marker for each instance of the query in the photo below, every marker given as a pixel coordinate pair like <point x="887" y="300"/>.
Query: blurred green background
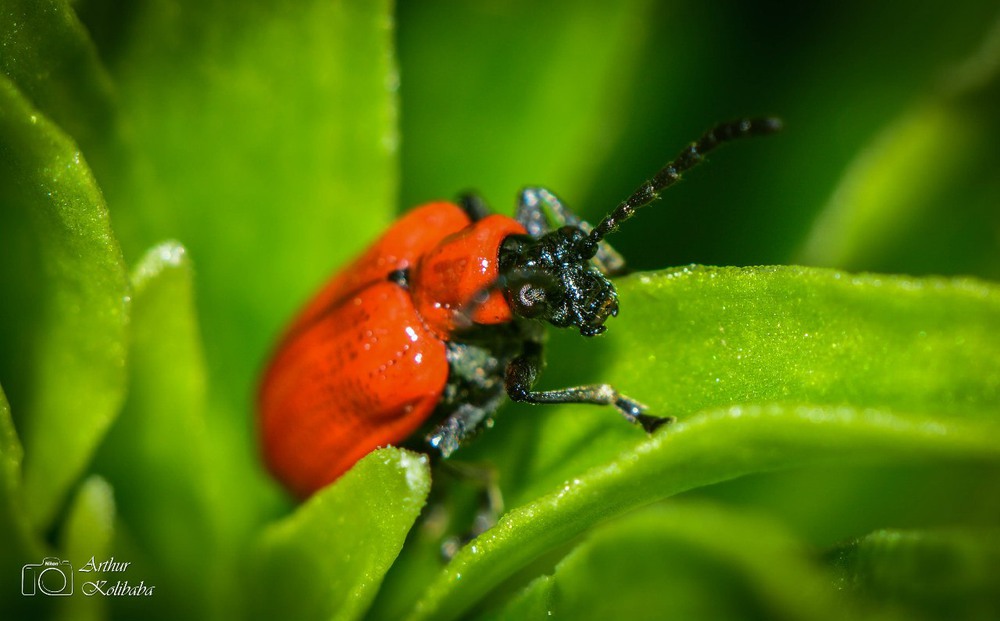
<point x="176" y="178"/>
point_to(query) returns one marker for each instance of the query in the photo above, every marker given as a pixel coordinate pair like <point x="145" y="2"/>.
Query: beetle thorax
<point x="448" y="279"/>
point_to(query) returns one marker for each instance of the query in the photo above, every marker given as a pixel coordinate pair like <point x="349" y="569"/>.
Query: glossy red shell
<point x="364" y="363"/>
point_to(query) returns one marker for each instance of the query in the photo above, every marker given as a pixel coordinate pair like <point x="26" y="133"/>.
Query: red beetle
<point x="440" y="319"/>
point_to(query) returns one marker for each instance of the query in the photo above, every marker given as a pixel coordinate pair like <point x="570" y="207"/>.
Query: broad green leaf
<point x="21" y="544"/>
<point x="699" y="338"/>
<point x="791" y="334"/>
<point x="327" y="560"/>
<point x="87" y="534"/>
<point x="48" y="54"/>
<point x="683" y="561"/>
<point x="160" y="442"/>
<point x="61" y="268"/>
<point x="264" y="137"/>
<point x="887" y="350"/>
<point x="939" y="574"/>
<point x="11" y="455"/>
<point x="260" y="129"/>
<point x="846" y="501"/>
<point x="714" y="446"/>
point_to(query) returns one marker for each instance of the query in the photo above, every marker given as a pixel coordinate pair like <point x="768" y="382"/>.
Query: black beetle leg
<point x="531" y="214"/>
<point x="484" y="477"/>
<point x="533" y="208"/>
<point x="521" y="374"/>
<point x="473" y="394"/>
<point x="474" y="206"/>
<point x="463" y="423"/>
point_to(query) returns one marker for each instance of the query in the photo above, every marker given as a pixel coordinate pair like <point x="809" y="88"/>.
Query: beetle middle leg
<point x="522" y="371"/>
<point x="473" y="393"/>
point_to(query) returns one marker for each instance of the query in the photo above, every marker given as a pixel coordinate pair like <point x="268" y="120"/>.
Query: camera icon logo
<point x="52" y="576"/>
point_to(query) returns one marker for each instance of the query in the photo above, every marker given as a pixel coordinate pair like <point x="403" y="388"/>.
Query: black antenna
<point x="690" y="157"/>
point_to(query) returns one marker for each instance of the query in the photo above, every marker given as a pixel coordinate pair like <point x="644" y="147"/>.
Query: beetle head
<point x="553" y="279"/>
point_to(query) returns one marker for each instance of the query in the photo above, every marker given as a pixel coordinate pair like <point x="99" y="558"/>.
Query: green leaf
<point x="21" y="544"/>
<point x="683" y="561"/>
<point x="264" y="138"/>
<point x="855" y="367"/>
<point x="48" y="54"/>
<point x="887" y="185"/>
<point x="327" y="560"/>
<point x="60" y="261"/>
<point x="940" y="574"/>
<point x="791" y="334"/>
<point x="87" y="534"/>
<point x="712" y="447"/>
<point x="160" y="442"/>
<point x="920" y="196"/>
<point x="700" y="338"/>
<point x="10" y="454"/>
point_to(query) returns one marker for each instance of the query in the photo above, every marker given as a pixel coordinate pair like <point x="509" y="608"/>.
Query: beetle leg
<point x="462" y="424"/>
<point x="531" y="203"/>
<point x="474" y="206"/>
<point x="484" y="477"/>
<point x="473" y="394"/>
<point x="533" y="208"/>
<point x="521" y="374"/>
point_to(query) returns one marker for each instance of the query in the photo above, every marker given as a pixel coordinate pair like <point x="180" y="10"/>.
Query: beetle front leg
<point x="521" y="374"/>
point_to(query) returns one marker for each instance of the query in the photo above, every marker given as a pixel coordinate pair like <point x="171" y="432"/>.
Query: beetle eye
<point x="531" y="300"/>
